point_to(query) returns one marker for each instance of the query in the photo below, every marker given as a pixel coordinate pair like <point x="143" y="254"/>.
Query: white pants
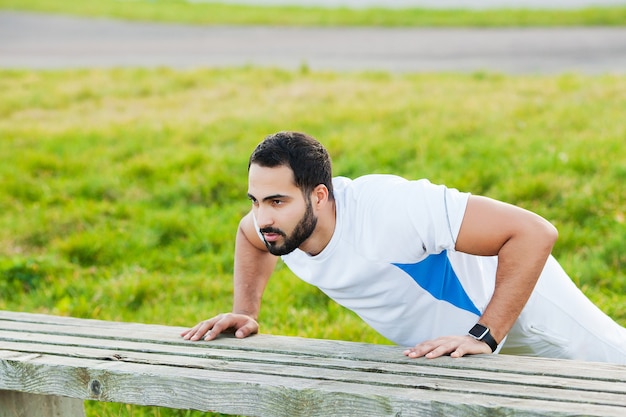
<point x="559" y="321"/>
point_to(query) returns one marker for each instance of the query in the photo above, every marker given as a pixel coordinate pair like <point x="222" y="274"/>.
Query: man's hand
<point x="455" y="346"/>
<point x="241" y="324"/>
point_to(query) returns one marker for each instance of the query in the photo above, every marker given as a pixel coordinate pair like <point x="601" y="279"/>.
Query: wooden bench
<point x="49" y="365"/>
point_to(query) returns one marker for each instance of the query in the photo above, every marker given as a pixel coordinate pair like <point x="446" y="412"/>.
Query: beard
<point x="303" y="230"/>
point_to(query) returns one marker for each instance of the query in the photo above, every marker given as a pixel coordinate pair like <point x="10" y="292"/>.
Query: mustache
<point x="272" y="230"/>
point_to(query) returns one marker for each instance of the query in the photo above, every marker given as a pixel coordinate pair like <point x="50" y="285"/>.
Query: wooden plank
<point x="346" y="375"/>
<point x="20" y="404"/>
<point x="304" y="346"/>
<point x="310" y="348"/>
<point x="252" y="394"/>
<point x="510" y="386"/>
<point x="365" y="372"/>
<point x="507" y="377"/>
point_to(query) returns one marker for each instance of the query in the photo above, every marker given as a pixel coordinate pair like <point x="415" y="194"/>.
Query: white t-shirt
<point x="392" y="261"/>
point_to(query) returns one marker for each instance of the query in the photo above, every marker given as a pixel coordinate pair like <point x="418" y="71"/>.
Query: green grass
<point x="120" y="190"/>
<point x="181" y="11"/>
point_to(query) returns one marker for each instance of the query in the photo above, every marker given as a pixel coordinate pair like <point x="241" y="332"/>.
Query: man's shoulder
<point x="369" y="179"/>
<point x="377" y="183"/>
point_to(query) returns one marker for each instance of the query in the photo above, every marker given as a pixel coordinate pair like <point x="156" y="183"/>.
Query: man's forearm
<point x="253" y="268"/>
<point x="520" y="263"/>
<point x="522" y="241"/>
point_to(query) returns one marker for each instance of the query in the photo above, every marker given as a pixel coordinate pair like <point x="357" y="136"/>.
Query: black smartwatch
<point x="482" y="333"/>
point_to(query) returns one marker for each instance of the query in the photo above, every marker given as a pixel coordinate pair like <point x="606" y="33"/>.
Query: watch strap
<point x="482" y="333"/>
<point x="488" y="338"/>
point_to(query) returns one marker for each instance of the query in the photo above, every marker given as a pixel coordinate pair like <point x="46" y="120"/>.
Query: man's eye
<point x="277" y="202"/>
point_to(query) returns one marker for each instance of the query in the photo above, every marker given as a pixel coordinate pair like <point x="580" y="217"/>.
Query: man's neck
<point x="326" y="222"/>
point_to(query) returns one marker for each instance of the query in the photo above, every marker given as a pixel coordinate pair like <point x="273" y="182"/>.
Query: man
<point x="444" y="272"/>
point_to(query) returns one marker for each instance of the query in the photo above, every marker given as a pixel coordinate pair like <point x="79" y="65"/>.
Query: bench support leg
<point x="21" y="404"/>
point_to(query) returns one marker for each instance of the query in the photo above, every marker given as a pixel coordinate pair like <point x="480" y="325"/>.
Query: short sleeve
<point x="408" y="220"/>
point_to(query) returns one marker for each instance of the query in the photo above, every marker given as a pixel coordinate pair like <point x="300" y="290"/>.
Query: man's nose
<point x="264" y="217"/>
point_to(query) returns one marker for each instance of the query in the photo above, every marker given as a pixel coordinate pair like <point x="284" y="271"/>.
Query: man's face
<point x="284" y="216"/>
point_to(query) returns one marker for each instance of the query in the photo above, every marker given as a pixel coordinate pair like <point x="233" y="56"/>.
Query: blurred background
<point x="125" y="128"/>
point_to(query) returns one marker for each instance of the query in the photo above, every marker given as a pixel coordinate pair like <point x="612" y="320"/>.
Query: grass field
<point x="181" y="11"/>
<point x="120" y="190"/>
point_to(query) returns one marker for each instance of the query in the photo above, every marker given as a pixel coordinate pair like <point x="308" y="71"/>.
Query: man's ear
<point x="319" y="195"/>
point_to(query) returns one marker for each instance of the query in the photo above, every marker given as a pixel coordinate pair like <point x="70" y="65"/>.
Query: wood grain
<point x="288" y="376"/>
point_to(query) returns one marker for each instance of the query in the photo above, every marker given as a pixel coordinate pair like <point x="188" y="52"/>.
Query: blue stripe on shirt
<point x="435" y="275"/>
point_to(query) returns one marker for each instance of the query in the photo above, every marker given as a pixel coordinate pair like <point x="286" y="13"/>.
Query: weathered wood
<point x="276" y="376"/>
<point x="21" y="404"/>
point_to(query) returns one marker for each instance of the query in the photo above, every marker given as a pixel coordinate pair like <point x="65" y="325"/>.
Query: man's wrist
<point x="248" y="313"/>
<point x="482" y="333"/>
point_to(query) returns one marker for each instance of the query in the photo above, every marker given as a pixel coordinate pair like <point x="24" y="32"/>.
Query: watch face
<point x="478" y="331"/>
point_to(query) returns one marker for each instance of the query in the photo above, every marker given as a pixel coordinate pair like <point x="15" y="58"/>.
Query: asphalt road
<point x="41" y="41"/>
<point x="435" y="4"/>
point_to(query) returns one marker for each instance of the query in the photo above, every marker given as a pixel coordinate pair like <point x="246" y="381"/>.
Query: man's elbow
<point x="549" y="234"/>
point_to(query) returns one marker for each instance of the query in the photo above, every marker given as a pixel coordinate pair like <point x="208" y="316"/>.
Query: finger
<point x="196" y="332"/>
<point x="420" y="350"/>
<point x="449" y="345"/>
<point x="223" y="323"/>
<point x="439" y="351"/>
<point x="247" y="329"/>
<point x="472" y="348"/>
<point x="413" y="353"/>
<point x="434" y="348"/>
<point x="187" y="334"/>
<point x="212" y="334"/>
<point x="191" y="331"/>
<point x="459" y="353"/>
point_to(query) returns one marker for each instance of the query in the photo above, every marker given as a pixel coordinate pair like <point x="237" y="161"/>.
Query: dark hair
<point x="307" y="158"/>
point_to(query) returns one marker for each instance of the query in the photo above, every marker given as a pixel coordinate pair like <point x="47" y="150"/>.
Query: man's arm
<point x="523" y="241"/>
<point x="253" y="267"/>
